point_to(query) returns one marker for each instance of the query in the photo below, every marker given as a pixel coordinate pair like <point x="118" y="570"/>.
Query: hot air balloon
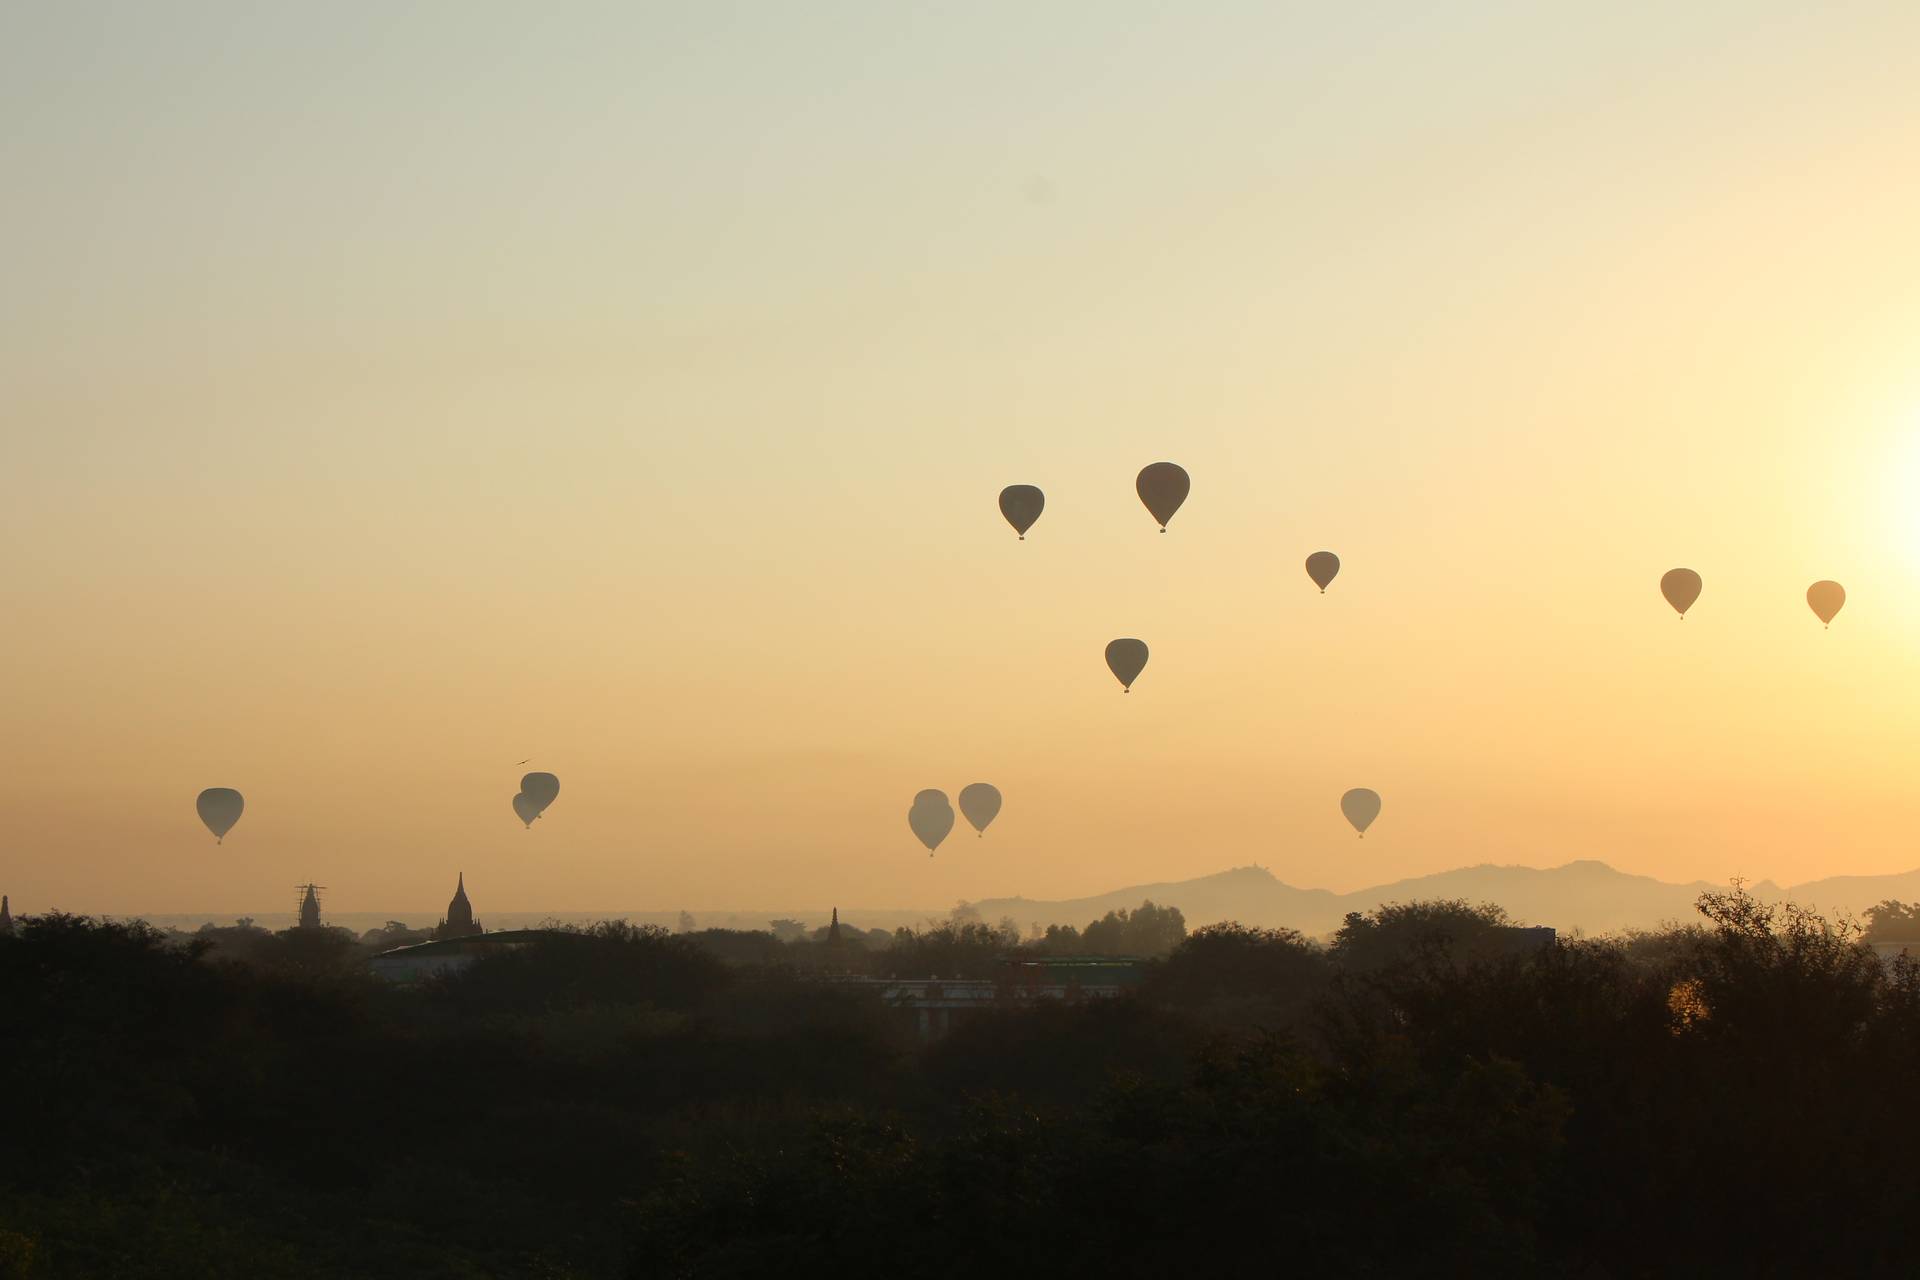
<point x="1361" y="807"/>
<point x="1126" y="658"/>
<point x="980" y="802"/>
<point x="1321" y="566"/>
<point x="1681" y="587"/>
<point x="539" y="789"/>
<point x="525" y="809"/>
<point x="1022" y="504"/>
<point x="1825" y="598"/>
<point x="219" y="808"/>
<point x="931" y="818"/>
<point x="1163" y="487"/>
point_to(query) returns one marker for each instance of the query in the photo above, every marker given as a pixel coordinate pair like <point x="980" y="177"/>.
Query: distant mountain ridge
<point x="1585" y="895"/>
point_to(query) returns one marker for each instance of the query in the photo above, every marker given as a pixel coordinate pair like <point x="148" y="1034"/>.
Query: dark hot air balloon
<point x="219" y="808"/>
<point x="1321" y="566"/>
<point x="1163" y="487"/>
<point x="931" y="818"/>
<point x="1022" y="504"/>
<point x="1126" y="658"/>
<point x="525" y="809"/>
<point x="1825" y="599"/>
<point x="1361" y="807"/>
<point x="980" y="802"/>
<point x="1681" y="587"/>
<point x="539" y="789"/>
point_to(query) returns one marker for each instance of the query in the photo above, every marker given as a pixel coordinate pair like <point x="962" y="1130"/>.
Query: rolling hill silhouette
<point x="1586" y="895"/>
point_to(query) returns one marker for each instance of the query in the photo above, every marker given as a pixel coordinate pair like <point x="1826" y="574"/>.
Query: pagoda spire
<point x="6" y="916"/>
<point x="459" y="921"/>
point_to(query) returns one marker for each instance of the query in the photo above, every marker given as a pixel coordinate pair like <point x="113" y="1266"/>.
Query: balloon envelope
<point x="1681" y="587"/>
<point x="1321" y="566"/>
<point x="1163" y="487"/>
<point x="1361" y="807"/>
<point x="524" y="809"/>
<point x="980" y="802"/>
<point x="931" y="818"/>
<point x="1826" y="598"/>
<point x="219" y="808"/>
<point x="1126" y="658"/>
<point x="539" y="789"/>
<point x="1022" y="504"/>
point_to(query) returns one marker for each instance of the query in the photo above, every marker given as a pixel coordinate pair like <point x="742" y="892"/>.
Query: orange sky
<point x="392" y="397"/>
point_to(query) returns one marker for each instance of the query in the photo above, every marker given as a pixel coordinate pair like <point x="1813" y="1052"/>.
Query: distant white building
<point x="425" y="960"/>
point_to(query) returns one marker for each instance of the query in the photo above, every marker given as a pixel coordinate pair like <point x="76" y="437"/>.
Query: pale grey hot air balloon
<point x="1361" y="807"/>
<point x="1825" y="598"/>
<point x="539" y="790"/>
<point x="1681" y="587"/>
<point x="1163" y="487"/>
<point x="1321" y="566"/>
<point x="980" y="802"/>
<point x="1126" y="658"/>
<point x="931" y="818"/>
<point x="219" y="808"/>
<point x="525" y="810"/>
<point x="1022" y="504"/>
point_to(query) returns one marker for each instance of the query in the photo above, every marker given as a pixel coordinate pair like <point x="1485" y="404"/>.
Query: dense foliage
<point x="1431" y="1094"/>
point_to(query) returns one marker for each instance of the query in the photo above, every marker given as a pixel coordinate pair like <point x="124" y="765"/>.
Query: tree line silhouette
<point x="1418" y="1096"/>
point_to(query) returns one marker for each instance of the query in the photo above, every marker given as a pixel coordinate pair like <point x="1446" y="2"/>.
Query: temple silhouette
<point x="459" y="921"/>
<point x="309" y="905"/>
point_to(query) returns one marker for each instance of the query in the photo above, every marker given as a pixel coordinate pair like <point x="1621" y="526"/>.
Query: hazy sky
<point x="394" y="392"/>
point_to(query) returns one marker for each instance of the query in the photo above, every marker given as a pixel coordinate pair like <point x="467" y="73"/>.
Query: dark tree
<point x="1891" y="921"/>
<point x="1148" y="930"/>
<point x="1234" y="976"/>
<point x="1450" y="930"/>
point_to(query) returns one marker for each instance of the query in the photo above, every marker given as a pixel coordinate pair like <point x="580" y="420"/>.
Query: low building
<point x="1523" y="939"/>
<point x="1068" y="971"/>
<point x="423" y="960"/>
<point x="1022" y="982"/>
